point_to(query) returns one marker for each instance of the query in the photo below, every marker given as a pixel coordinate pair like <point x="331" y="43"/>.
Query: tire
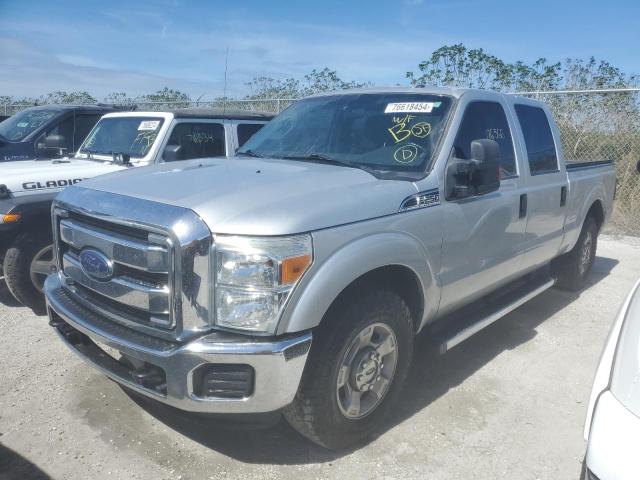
<point x="572" y="269"/>
<point x="24" y="283"/>
<point x="318" y="411"/>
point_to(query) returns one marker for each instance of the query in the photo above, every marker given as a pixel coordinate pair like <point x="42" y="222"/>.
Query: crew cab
<point x="47" y="131"/>
<point x="295" y="276"/>
<point x="119" y="141"/>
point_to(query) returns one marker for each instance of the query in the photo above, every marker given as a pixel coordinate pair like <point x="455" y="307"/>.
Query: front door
<point x="483" y="235"/>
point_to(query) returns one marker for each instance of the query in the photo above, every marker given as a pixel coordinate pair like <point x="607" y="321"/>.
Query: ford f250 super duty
<point x="295" y="276"/>
<point x="118" y="142"/>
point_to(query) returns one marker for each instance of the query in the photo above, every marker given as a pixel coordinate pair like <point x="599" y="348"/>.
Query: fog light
<point x="223" y="381"/>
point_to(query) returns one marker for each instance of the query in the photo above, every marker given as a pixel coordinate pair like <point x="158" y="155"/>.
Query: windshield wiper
<point x="319" y="158"/>
<point x="250" y="153"/>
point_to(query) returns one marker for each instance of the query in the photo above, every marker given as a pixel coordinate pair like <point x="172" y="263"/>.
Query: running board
<point x="470" y="320"/>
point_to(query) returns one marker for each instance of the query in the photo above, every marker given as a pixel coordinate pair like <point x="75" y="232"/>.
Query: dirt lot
<point x="508" y="403"/>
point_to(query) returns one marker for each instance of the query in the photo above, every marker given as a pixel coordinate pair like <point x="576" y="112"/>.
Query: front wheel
<point x="26" y="266"/>
<point x="355" y="371"/>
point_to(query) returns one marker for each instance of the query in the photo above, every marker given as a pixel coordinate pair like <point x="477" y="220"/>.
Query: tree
<point x="315" y="81"/>
<point x="62" y="97"/>
<point x="455" y="65"/>
<point x="167" y="98"/>
<point x="120" y="98"/>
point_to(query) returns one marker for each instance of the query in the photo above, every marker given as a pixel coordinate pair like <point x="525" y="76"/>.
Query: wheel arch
<point x="395" y="260"/>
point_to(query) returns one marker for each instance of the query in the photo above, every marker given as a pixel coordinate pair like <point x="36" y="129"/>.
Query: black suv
<point x="48" y="131"/>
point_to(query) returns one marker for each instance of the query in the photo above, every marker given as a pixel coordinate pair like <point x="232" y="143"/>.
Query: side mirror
<point x="172" y="153"/>
<point x="52" y="145"/>
<point x="54" y="142"/>
<point x="477" y="176"/>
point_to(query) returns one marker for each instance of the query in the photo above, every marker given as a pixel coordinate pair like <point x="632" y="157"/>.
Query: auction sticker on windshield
<point x="149" y="125"/>
<point x="411" y="107"/>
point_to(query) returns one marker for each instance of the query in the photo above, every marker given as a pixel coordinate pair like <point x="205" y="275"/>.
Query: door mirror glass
<point x="54" y="142"/>
<point x="173" y="153"/>
<point x="478" y="175"/>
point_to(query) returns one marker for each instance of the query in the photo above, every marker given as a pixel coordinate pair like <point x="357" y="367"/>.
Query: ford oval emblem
<point x="96" y="264"/>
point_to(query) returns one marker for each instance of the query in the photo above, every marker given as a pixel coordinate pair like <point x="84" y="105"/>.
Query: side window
<point x="64" y="128"/>
<point x="486" y="120"/>
<point x="538" y="139"/>
<point x="199" y="140"/>
<point x="246" y="131"/>
<point x="84" y="124"/>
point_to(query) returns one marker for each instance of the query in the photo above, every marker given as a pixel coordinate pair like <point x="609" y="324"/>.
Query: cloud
<point x="143" y="58"/>
<point x="35" y="72"/>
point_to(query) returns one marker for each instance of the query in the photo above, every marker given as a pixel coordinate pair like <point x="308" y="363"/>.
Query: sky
<point x="141" y="46"/>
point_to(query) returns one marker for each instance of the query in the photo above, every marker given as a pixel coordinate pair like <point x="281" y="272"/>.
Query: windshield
<point x="133" y="136"/>
<point x="23" y="123"/>
<point x="394" y="132"/>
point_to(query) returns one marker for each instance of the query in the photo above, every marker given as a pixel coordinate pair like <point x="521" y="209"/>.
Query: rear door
<point x="547" y="184"/>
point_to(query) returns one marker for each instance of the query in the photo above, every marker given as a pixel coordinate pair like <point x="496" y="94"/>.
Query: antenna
<point x="224" y="95"/>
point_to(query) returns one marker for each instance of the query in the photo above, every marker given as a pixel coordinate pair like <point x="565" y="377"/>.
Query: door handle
<point x="563" y="196"/>
<point x="523" y="205"/>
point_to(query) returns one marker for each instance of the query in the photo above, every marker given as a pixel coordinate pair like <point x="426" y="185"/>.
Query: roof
<point x="230" y="114"/>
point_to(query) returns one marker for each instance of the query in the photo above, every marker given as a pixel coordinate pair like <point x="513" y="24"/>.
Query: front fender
<point x="331" y="274"/>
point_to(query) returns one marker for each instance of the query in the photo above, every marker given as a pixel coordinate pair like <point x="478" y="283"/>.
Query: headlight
<point x="254" y="277"/>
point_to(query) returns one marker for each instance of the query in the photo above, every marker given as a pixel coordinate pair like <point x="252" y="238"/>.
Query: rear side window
<point x="246" y="131"/>
<point x="538" y="139"/>
<point x="199" y="140"/>
<point x="486" y="120"/>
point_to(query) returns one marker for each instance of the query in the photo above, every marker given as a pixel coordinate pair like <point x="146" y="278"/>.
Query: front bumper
<point x="277" y="362"/>
<point x="612" y="451"/>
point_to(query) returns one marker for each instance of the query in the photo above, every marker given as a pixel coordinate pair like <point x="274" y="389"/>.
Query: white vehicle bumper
<point x="612" y="452"/>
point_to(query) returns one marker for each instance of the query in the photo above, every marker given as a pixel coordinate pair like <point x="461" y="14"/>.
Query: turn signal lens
<point x="293" y="268"/>
<point x="10" y="218"/>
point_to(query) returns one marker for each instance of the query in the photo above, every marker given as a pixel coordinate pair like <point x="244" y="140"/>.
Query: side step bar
<point x="470" y="320"/>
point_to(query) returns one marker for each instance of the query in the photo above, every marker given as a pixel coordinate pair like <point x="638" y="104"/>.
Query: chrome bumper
<point x="277" y="363"/>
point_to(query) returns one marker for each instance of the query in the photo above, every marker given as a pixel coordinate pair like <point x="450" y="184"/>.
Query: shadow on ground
<point x="5" y="295"/>
<point x="278" y="443"/>
<point x="13" y="466"/>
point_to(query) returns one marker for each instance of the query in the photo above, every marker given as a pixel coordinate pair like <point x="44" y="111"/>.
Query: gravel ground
<point x="508" y="403"/>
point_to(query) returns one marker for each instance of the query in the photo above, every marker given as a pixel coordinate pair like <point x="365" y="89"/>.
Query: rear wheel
<point x="26" y="266"/>
<point x="572" y="268"/>
<point x="355" y="371"/>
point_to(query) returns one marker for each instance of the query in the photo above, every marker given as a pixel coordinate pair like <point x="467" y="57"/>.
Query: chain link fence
<point x="603" y="125"/>
<point x="272" y="105"/>
<point x="594" y="124"/>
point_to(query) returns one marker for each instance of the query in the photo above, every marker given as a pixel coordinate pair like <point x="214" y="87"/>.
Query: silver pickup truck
<point x="296" y="275"/>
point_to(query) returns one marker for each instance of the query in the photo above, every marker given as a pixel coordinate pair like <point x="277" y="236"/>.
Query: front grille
<point x="138" y="293"/>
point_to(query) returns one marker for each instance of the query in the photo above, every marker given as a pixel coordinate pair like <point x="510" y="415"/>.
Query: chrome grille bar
<point x="124" y="289"/>
<point x="126" y="251"/>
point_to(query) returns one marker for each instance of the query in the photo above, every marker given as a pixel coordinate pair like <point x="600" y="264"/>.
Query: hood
<point x="262" y="196"/>
<point x="31" y="176"/>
